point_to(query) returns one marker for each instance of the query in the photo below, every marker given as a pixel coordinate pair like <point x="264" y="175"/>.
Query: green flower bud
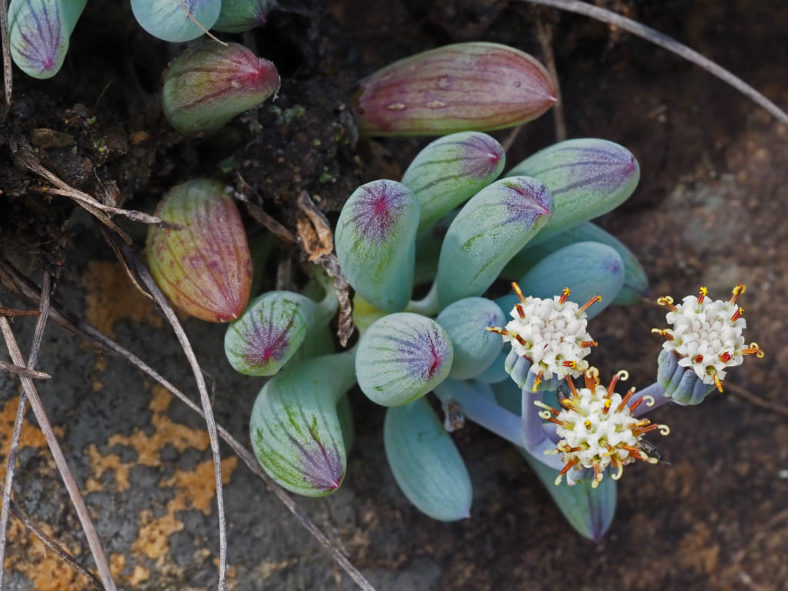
<point x="206" y="86"/>
<point x="200" y="259"/>
<point x="474" y="86"/>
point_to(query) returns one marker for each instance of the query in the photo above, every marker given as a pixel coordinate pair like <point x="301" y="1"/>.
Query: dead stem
<point x="54" y="546"/>
<point x="544" y="33"/>
<point x="657" y="38"/>
<point x="133" y="263"/>
<point x="8" y="78"/>
<point x="21" y="411"/>
<point x="13" y="312"/>
<point x="745" y="394"/>
<point x="23" y="371"/>
<point x="57" y="453"/>
<point x="21" y="285"/>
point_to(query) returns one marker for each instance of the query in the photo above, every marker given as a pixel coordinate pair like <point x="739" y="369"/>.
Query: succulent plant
<point x="208" y="85"/>
<point x="522" y="386"/>
<point x="474" y="86"/>
<point x="200" y="258"/>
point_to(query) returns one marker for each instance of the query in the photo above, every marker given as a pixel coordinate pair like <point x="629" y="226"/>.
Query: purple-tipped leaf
<point x="201" y="259"/>
<point x="489" y="230"/>
<point x="451" y="170"/>
<point x="295" y="430"/>
<point x="401" y="357"/>
<point x="208" y="85"/>
<point x="268" y="333"/>
<point x="375" y="243"/>
<point x="473" y="86"/>
<point x="39" y="32"/>
<point x="586" y="177"/>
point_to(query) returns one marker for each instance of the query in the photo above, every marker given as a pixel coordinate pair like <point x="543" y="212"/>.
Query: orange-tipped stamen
<point x="754" y="349"/>
<point x="626" y="399"/>
<point x="737" y="291"/>
<point x="571" y="385"/>
<point x="665" y="332"/>
<point x="697" y="359"/>
<point x="498" y="330"/>
<point x="737" y="314"/>
<point x="565" y="469"/>
<point x="564" y="295"/>
<point x="589" y="344"/>
<point x="518" y="292"/>
<point x="597" y="476"/>
<point x="591" y="302"/>
<point x="538" y="380"/>
<point x="572" y="364"/>
<point x="642" y="430"/>
<point x="606" y="404"/>
<point x="667" y="301"/>
<point x="703" y="293"/>
<point x="591" y="377"/>
<point x="726" y="357"/>
<point x="619" y="375"/>
<point x="717" y="382"/>
<point x="520" y="311"/>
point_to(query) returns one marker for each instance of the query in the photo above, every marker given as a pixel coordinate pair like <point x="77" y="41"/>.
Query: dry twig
<point x="23" y="371"/>
<point x="57" y="453"/>
<point x="54" y="546"/>
<point x="82" y="329"/>
<point x="13" y="312"/>
<point x="8" y="79"/>
<point x="666" y="42"/>
<point x="132" y="262"/>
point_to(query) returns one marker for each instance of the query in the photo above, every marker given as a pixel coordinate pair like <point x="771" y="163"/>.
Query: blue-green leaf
<point x="426" y="464"/>
<point x="295" y="430"/>
<point x="586" y="177"/>
<point x="586" y="268"/>
<point x="475" y="348"/>
<point x="170" y="20"/>
<point x="451" y="170"/>
<point x="635" y="279"/>
<point x="488" y="231"/>
<point x="589" y="510"/>
<point x="401" y="357"/>
<point x="375" y="243"/>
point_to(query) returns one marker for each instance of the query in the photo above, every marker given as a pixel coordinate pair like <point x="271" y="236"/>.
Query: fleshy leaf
<point x="496" y="372"/>
<point x="201" y="259"/>
<point x="475" y="348"/>
<point x="39" y="32"/>
<point x="426" y="464"/>
<point x="473" y="86"/>
<point x="268" y="333"/>
<point x="238" y="16"/>
<point x="295" y="430"/>
<point x="451" y="170"/>
<point x="635" y="279"/>
<point x="401" y="357"/>
<point x="169" y="19"/>
<point x="586" y="268"/>
<point x="208" y="85"/>
<point x="375" y="243"/>
<point x="588" y="510"/>
<point x="586" y="177"/>
<point x="488" y="231"/>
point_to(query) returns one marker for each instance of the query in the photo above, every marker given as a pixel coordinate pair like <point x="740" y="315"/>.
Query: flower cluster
<point x="550" y="333"/>
<point x="597" y="429"/>
<point x="706" y="334"/>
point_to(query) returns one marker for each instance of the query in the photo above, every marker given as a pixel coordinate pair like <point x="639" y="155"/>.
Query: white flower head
<point x="597" y="429"/>
<point x="551" y="334"/>
<point x="706" y="334"/>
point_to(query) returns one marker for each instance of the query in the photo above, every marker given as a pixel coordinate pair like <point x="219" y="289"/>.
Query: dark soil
<point x="710" y="210"/>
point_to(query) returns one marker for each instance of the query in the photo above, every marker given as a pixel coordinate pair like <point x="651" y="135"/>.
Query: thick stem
<point x="428" y="305"/>
<point x="657" y="392"/>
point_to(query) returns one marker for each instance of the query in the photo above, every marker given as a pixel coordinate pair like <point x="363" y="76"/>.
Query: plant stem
<point x="428" y="305"/>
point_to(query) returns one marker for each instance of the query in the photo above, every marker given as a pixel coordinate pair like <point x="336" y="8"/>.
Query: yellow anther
<point x="664" y="429"/>
<point x="648" y="400"/>
<point x="623" y="375"/>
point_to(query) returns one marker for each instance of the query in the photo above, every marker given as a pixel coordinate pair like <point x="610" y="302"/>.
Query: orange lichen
<point x="110" y="296"/>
